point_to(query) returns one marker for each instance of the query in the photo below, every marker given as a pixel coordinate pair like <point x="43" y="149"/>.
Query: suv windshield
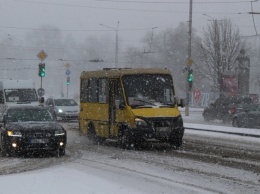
<point x="65" y="102"/>
<point x="20" y="95"/>
<point x="149" y="89"/>
<point x="24" y="115"/>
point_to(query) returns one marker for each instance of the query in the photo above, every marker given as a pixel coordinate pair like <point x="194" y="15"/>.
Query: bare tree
<point x="218" y="50"/>
<point x="166" y="49"/>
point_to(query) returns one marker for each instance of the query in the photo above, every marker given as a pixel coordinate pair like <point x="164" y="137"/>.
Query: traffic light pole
<point x="188" y="89"/>
<point x="41" y="82"/>
<point x="67" y="90"/>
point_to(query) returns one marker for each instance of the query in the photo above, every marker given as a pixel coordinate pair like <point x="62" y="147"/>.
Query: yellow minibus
<point x="130" y="106"/>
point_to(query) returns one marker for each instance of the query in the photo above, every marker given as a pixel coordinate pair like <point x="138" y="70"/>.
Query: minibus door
<point x="115" y="93"/>
<point x="112" y="109"/>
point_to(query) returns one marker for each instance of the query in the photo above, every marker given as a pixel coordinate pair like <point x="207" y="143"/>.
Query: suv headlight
<point x="60" y="110"/>
<point x="14" y="133"/>
<point x="140" y="122"/>
<point x="59" y="132"/>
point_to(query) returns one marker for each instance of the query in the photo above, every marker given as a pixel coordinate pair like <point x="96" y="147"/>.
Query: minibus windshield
<point x="149" y="90"/>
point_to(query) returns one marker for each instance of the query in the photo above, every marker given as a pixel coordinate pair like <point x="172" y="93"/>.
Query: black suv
<point x="224" y="108"/>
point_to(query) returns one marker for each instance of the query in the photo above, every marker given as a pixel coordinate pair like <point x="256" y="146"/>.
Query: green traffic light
<point x="42" y="72"/>
<point x="190" y="78"/>
<point x="68" y="80"/>
<point x="190" y="75"/>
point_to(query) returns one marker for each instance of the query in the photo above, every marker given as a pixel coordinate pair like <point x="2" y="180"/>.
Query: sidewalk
<point x="195" y="120"/>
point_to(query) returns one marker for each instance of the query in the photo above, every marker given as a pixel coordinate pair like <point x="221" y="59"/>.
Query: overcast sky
<point x="82" y="18"/>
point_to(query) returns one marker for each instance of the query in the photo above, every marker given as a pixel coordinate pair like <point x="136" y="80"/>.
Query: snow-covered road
<point x="207" y="163"/>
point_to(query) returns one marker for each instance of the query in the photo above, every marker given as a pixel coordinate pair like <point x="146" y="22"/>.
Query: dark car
<point x="31" y="128"/>
<point x="224" y="108"/>
<point x="249" y="117"/>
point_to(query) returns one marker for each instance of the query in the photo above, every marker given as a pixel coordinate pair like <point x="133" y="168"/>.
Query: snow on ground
<point x="196" y="120"/>
<point x="72" y="177"/>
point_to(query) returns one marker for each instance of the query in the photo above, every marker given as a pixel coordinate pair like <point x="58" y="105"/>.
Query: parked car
<point x="224" y="108"/>
<point x="66" y="108"/>
<point x="31" y="128"/>
<point x="248" y="118"/>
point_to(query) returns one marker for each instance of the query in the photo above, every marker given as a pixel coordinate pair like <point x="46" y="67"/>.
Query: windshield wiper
<point x="162" y="104"/>
<point x="145" y="101"/>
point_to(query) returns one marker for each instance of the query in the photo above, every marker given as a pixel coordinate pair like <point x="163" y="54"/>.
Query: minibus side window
<point x="83" y="92"/>
<point x="102" y="90"/>
<point x="1" y="97"/>
<point x="92" y="90"/>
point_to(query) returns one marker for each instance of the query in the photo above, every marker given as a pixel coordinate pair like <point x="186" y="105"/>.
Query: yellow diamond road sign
<point x="67" y="65"/>
<point x="42" y="55"/>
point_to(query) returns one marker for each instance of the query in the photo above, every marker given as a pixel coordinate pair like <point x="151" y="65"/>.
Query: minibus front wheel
<point x="126" y="142"/>
<point x="176" y="142"/>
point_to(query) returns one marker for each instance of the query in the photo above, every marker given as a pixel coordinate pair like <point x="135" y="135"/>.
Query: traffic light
<point x="190" y="78"/>
<point x="41" y="70"/>
<point x="68" y="80"/>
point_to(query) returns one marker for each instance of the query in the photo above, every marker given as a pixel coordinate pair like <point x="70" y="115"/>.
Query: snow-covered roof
<point x="14" y="84"/>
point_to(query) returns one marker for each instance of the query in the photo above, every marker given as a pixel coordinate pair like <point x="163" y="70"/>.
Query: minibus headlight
<point x="14" y="133"/>
<point x="140" y="122"/>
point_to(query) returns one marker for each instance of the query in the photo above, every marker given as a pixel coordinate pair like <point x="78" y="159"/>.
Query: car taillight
<point x="232" y="110"/>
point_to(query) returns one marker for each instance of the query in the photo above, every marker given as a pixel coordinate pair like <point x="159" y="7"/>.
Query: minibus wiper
<point x="145" y="101"/>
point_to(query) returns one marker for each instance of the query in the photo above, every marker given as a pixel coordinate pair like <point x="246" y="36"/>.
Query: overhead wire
<point x="128" y="9"/>
<point x="173" y="2"/>
<point x="106" y="30"/>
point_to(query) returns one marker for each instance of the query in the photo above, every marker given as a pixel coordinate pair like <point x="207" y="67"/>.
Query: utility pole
<point x="189" y="63"/>
<point x="116" y="55"/>
<point x="116" y="49"/>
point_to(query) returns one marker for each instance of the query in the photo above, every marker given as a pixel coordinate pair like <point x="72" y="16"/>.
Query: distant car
<point x="249" y="117"/>
<point x="224" y="108"/>
<point x="31" y="129"/>
<point x="65" y="108"/>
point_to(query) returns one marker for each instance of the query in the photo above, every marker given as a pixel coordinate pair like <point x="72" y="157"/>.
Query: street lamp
<point x="211" y="18"/>
<point x="116" y="49"/>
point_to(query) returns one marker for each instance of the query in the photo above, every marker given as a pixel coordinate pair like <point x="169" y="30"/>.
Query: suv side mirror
<point x="2" y="120"/>
<point x="41" y="99"/>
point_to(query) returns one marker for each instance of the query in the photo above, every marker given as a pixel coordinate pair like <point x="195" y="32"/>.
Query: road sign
<point x="42" y="55"/>
<point x="67" y="72"/>
<point x="40" y="92"/>
<point x="196" y="95"/>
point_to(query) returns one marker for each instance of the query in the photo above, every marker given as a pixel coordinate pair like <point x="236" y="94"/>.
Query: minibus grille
<point x="163" y="127"/>
<point x="165" y="122"/>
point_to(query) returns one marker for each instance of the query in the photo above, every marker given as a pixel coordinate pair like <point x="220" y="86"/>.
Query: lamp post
<point x="222" y="61"/>
<point x="116" y="48"/>
<point x="151" y="40"/>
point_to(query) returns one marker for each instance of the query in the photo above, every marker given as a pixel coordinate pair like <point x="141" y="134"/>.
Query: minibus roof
<point x="118" y="72"/>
